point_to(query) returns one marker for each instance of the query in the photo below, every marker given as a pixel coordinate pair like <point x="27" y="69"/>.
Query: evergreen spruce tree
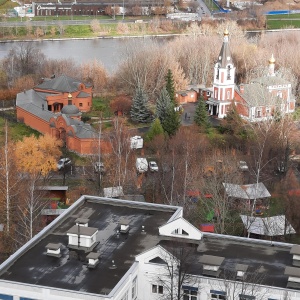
<point x="171" y="122"/>
<point x="201" y="117"/>
<point x="169" y="118"/>
<point x="140" y="112"/>
<point x="155" y="130"/>
<point x="170" y="86"/>
<point x="163" y="104"/>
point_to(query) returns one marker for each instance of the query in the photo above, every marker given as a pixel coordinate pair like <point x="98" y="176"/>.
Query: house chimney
<point x="242" y="88"/>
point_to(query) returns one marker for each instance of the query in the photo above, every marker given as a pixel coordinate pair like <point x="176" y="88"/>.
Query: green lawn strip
<point x="287" y="16"/>
<point x="278" y="24"/>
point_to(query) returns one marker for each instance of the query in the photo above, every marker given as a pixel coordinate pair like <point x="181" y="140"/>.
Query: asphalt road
<point x="203" y="10"/>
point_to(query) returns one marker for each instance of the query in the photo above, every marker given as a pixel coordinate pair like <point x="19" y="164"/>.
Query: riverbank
<point x="96" y="38"/>
<point x="145" y="36"/>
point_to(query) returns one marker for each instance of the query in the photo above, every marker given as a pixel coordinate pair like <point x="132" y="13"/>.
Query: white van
<point x="141" y="165"/>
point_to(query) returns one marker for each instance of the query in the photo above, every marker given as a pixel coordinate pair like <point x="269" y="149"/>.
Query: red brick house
<point x="55" y="107"/>
<point x="255" y="101"/>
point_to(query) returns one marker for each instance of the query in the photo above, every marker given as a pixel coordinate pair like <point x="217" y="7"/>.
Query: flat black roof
<point x="69" y="272"/>
<point x="266" y="263"/>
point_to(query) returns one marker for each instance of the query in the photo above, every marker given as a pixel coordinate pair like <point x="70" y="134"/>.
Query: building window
<point x="125" y="297"/>
<point x="80" y="104"/>
<point x="190" y="293"/>
<point x="246" y="297"/>
<point x="228" y="95"/>
<point x="6" y="297"/>
<point x="279" y="94"/>
<point x="217" y="295"/>
<point x="228" y="73"/>
<point x="218" y="73"/>
<point x="258" y="113"/>
<point x="134" y="288"/>
<point x="157" y="289"/>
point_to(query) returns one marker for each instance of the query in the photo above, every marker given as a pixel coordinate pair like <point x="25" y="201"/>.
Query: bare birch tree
<point x="9" y="181"/>
<point x="120" y="142"/>
<point x="177" y="270"/>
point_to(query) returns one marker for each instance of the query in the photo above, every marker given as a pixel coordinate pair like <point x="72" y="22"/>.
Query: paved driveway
<point x="187" y="118"/>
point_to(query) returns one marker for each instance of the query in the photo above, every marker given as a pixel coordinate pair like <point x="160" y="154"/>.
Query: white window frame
<point x="190" y="294"/>
<point x="157" y="289"/>
<point x="220" y="295"/>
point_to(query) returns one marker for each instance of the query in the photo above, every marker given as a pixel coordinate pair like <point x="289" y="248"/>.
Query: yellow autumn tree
<point x="37" y="155"/>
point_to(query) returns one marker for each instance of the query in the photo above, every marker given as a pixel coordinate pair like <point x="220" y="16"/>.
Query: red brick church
<point x="258" y="100"/>
<point x="55" y="107"/>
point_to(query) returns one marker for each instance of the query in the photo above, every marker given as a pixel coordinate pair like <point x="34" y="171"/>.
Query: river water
<point x="108" y="51"/>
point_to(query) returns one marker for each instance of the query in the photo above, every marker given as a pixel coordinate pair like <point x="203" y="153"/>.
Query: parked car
<point x="243" y="166"/>
<point x="63" y="162"/>
<point x="99" y="167"/>
<point x="153" y="166"/>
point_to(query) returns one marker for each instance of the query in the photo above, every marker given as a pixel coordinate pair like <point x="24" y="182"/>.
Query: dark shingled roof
<point x="63" y="84"/>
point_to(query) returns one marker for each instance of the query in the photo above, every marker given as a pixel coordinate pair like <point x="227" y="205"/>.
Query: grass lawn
<point x="283" y="21"/>
<point x="277" y="24"/>
<point x="288" y="16"/>
<point x="16" y="131"/>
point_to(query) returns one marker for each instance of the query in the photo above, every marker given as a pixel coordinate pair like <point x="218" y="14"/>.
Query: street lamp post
<point x="123" y="10"/>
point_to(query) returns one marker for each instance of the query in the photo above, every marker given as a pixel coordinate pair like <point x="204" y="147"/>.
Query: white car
<point x="63" y="162"/>
<point x="153" y="166"/>
<point x="243" y="166"/>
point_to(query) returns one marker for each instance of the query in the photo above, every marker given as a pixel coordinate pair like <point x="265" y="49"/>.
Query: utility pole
<point x="99" y="152"/>
<point x="123" y="10"/>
